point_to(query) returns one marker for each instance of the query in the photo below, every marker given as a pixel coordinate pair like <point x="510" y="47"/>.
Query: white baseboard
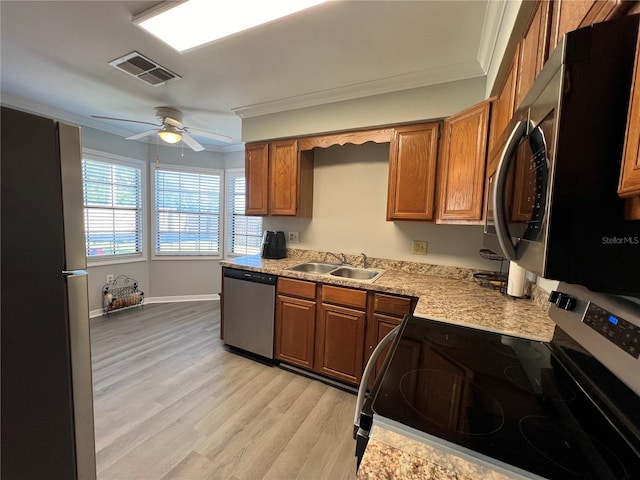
<point x="183" y="298"/>
<point x="170" y="299"/>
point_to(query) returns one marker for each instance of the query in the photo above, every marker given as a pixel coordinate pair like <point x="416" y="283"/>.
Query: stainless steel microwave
<point x="552" y="203"/>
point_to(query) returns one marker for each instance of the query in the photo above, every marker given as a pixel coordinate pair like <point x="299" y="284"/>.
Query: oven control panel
<point x="617" y="330"/>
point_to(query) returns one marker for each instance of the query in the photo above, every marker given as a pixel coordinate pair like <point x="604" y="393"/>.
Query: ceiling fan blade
<point x="124" y="120"/>
<point x="211" y="135"/>
<point x="173" y="122"/>
<point x="191" y="142"/>
<point x="143" y="134"/>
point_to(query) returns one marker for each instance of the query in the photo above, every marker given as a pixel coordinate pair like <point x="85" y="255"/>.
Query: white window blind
<point x="187" y="211"/>
<point x="112" y="208"/>
<point x="244" y="234"/>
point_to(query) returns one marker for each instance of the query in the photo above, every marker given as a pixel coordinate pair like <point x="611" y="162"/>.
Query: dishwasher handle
<point x="257" y="277"/>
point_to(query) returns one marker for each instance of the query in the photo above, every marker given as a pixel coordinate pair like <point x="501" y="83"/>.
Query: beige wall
<point x="437" y="101"/>
<point x="350" y="192"/>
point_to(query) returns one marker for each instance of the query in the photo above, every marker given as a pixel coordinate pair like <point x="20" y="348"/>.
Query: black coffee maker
<point x="273" y="245"/>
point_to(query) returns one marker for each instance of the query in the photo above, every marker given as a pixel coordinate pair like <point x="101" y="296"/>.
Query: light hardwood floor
<point x="171" y="402"/>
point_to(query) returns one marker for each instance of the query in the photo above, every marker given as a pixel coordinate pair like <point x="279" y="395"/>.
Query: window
<point x="244" y="234"/>
<point x="187" y="211"/>
<point x="113" y="215"/>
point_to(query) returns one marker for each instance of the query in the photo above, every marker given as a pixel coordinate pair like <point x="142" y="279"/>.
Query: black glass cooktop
<point x="507" y="398"/>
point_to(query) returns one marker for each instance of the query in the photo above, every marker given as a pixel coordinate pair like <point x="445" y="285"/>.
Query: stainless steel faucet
<point x="364" y="260"/>
<point x="342" y="257"/>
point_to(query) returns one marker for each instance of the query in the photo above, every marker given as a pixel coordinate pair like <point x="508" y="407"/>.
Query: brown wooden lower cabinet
<point x="381" y="325"/>
<point x="330" y="329"/>
<point x="340" y="342"/>
<point x="295" y="329"/>
<point x="387" y="313"/>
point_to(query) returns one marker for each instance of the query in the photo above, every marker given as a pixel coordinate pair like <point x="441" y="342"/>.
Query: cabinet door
<point x="256" y="171"/>
<point x="462" y="165"/>
<point x="630" y="175"/>
<point x="340" y="343"/>
<point x="533" y="49"/>
<point x="283" y="174"/>
<point x="381" y="326"/>
<point x="412" y="172"/>
<point x="568" y="15"/>
<point x="295" y="331"/>
<point x="504" y="105"/>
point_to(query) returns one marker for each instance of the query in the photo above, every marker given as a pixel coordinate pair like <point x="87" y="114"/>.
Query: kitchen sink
<point x="313" y="267"/>
<point x="355" y="273"/>
<point x="341" y="271"/>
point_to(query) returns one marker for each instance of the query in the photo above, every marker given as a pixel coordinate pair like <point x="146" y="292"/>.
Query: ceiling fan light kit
<point x="169" y="134"/>
<point x="171" y="129"/>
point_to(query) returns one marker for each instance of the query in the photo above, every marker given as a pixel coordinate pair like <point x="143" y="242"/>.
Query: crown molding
<point x="423" y="78"/>
<point x="490" y="31"/>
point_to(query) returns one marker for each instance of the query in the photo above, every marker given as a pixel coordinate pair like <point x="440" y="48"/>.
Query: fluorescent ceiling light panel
<point x="197" y="22"/>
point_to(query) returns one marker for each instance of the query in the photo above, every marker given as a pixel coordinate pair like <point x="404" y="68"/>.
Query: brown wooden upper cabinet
<point x="569" y="15"/>
<point x="279" y="179"/>
<point x="629" y="186"/>
<point x="256" y="170"/>
<point x="505" y="102"/>
<point x="412" y="172"/>
<point x="463" y="156"/>
<point x="533" y="49"/>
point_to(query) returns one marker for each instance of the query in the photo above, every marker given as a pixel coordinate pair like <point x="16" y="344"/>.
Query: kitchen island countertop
<point x="451" y="300"/>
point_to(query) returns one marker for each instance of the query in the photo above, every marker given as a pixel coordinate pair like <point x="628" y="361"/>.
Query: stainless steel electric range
<point x="567" y="409"/>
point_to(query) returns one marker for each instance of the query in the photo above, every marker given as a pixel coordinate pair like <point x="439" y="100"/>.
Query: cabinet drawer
<point x="391" y="304"/>
<point x="344" y="296"/>
<point x="297" y="288"/>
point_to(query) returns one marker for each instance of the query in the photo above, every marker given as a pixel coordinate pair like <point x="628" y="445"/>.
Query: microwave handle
<point x="500" y="214"/>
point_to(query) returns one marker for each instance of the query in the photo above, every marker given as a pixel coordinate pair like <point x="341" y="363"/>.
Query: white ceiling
<point x="55" y="58"/>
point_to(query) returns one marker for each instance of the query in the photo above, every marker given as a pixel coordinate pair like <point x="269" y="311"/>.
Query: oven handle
<point x="500" y="214"/>
<point x="368" y="370"/>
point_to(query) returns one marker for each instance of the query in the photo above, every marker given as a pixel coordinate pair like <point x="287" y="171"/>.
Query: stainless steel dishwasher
<point x="249" y="310"/>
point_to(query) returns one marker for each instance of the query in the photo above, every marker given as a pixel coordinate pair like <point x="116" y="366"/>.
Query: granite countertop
<point x="391" y="454"/>
<point x="457" y="300"/>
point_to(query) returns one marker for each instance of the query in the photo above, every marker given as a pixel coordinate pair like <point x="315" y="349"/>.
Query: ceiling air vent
<point x="144" y="69"/>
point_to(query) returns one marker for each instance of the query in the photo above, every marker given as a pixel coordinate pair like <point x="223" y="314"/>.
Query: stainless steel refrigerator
<point x="47" y="397"/>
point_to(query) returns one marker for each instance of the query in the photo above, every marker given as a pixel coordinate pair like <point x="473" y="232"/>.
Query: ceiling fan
<point x="171" y="129"/>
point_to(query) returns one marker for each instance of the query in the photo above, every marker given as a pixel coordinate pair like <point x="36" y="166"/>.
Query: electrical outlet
<point x="109" y="278"/>
<point x="293" y="237"/>
<point x="419" y="247"/>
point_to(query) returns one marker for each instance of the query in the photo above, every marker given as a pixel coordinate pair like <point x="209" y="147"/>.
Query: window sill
<point x="114" y="261"/>
<point x="186" y="257"/>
